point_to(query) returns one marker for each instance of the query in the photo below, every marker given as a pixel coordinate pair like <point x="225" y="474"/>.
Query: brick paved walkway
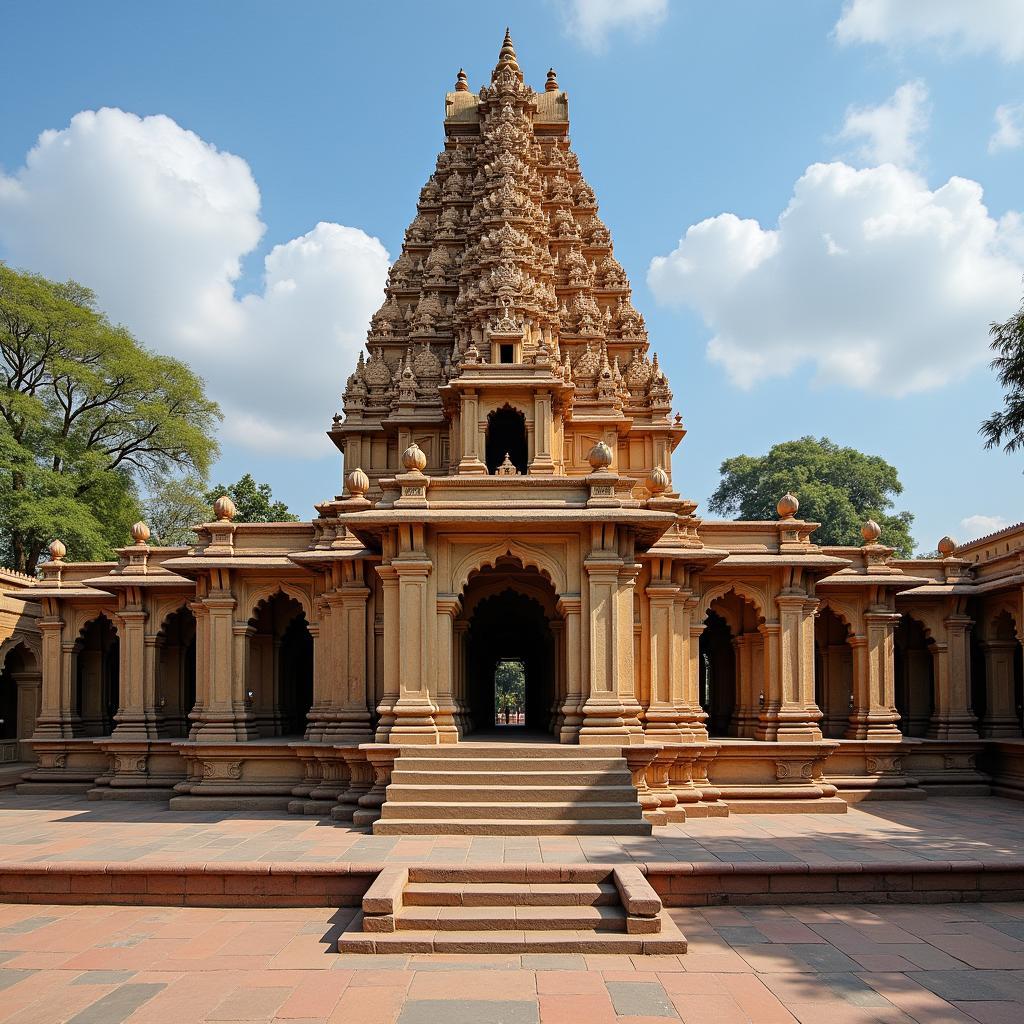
<point x="841" y="965"/>
<point x="74" y="829"/>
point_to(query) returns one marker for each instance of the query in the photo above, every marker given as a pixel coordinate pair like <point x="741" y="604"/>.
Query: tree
<point x="1006" y="427"/>
<point x="88" y="417"/>
<point x="837" y="487"/>
<point x="509" y="689"/>
<point x="254" y="502"/>
<point x="174" y="508"/>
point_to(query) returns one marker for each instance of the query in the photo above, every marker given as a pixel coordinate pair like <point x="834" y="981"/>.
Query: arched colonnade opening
<point x="97" y="674"/>
<point x="176" y="671"/>
<point x="20" y="681"/>
<point x="997" y="676"/>
<point x="833" y="672"/>
<point x="915" y="676"/>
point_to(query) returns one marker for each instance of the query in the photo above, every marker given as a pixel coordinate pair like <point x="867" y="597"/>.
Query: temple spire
<point x="507" y="58"/>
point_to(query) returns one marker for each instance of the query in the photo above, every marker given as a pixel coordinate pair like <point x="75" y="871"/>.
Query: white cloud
<point x="952" y="26"/>
<point x="593" y="22"/>
<point x="157" y="221"/>
<point x="1009" y="133"/>
<point x="892" y="131"/>
<point x="973" y="527"/>
<point x="872" y="278"/>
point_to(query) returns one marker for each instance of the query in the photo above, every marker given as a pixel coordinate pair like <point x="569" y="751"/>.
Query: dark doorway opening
<point x="281" y="667"/>
<point x="915" y="677"/>
<point x="718" y="675"/>
<point x="97" y="677"/>
<point x="506" y="435"/>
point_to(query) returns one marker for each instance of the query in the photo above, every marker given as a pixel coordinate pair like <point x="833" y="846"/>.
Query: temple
<point x="507" y="443"/>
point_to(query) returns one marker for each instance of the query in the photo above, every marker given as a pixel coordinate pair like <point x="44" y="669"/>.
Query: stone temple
<point x="507" y="442"/>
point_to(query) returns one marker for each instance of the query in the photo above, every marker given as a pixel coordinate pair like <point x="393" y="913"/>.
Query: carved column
<point x="556" y="714"/>
<point x="572" y="717"/>
<point x="463" y="715"/>
<point x="666" y="714"/>
<point x="1000" y="701"/>
<point x="952" y="718"/>
<point x="392" y="643"/>
<point x="696" y="720"/>
<point x="543" y="463"/>
<point x="446" y="715"/>
<point x="58" y="718"/>
<point x="790" y="712"/>
<point x="136" y="718"/>
<point x="874" y="714"/>
<point x="469" y="416"/>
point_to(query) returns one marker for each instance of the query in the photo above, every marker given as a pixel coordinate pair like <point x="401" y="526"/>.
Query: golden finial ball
<point x="140" y="532"/>
<point x="358" y="482"/>
<point x="788" y="506"/>
<point x="599" y="457"/>
<point x="224" y="509"/>
<point x="414" y="459"/>
<point x="947" y="546"/>
<point x="57" y="550"/>
<point x="657" y="481"/>
<point x="871" y="531"/>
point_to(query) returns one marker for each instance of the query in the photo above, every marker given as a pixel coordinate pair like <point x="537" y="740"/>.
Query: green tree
<point x="88" y="418"/>
<point x="1006" y="427"/>
<point x="177" y="505"/>
<point x="837" y="487"/>
<point x="254" y="502"/>
<point x="509" y="688"/>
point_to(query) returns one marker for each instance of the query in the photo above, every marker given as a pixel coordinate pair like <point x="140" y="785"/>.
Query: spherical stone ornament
<point x="57" y="550"/>
<point x="871" y="531"/>
<point x="657" y="481"/>
<point x="140" y="532"/>
<point x="947" y="546"/>
<point x="599" y="457"/>
<point x="414" y="459"/>
<point x="358" y="482"/>
<point x="224" y="508"/>
<point x="788" y="506"/>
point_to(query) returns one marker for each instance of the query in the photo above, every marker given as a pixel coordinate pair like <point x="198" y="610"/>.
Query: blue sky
<point x="681" y="113"/>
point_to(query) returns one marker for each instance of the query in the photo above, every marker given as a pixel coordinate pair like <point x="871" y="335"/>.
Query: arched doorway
<point x="97" y="671"/>
<point x="506" y="435"/>
<point x="176" y="671"/>
<point x="280" y="667"/>
<point x="19" y="703"/>
<point x="833" y="673"/>
<point x="997" y="676"/>
<point x="510" y="646"/>
<point x="718" y="675"/>
<point x="915" y="677"/>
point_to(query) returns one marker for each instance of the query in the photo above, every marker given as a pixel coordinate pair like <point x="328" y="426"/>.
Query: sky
<point x="820" y="205"/>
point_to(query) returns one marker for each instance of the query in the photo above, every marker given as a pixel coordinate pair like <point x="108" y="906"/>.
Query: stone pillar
<point x="58" y="718"/>
<point x="696" y="715"/>
<point x="666" y="717"/>
<point x="27" y="711"/>
<point x="137" y="717"/>
<point x="874" y="715"/>
<point x="1000" y="702"/>
<point x="543" y="463"/>
<point x="392" y="644"/>
<point x="446" y="715"/>
<point x="748" y="647"/>
<point x="556" y="714"/>
<point x="572" y="706"/>
<point x="952" y="718"/>
<point x="469" y="417"/>
<point x="463" y="716"/>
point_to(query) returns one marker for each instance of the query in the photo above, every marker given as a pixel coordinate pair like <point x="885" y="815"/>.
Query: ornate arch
<point x="536" y="591"/>
<point x="166" y="612"/>
<point x="530" y="557"/>
<point x="925" y="621"/>
<point x="95" y="618"/>
<point x="262" y="595"/>
<point x="846" y="613"/>
<point x="13" y="642"/>
<point x="757" y="597"/>
<point x="1003" y="610"/>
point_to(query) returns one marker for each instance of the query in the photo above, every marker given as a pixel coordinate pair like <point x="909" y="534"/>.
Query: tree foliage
<point x="837" y="487"/>
<point x="1006" y="427"/>
<point x="88" y="417"/>
<point x="509" y="688"/>
<point x="254" y="502"/>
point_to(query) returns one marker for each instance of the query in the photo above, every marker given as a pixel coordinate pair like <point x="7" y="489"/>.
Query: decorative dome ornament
<point x="599" y="457"/>
<point x="871" y="531"/>
<point x="461" y="81"/>
<point x="357" y="482"/>
<point x="657" y="481"/>
<point x="224" y="509"/>
<point x="57" y="550"/>
<point x="413" y="458"/>
<point x="788" y="506"/>
<point x="947" y="546"/>
<point x="140" y="532"/>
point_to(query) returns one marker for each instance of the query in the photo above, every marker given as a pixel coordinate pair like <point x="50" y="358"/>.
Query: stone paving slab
<point x="162" y="965"/>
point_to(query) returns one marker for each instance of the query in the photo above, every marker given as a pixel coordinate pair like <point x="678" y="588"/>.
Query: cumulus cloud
<point x="892" y="131"/>
<point x="158" y="221"/>
<point x="1009" y="133"/>
<point x="869" y="276"/>
<point x="952" y="26"/>
<point x="594" y="22"/>
<point x="973" y="527"/>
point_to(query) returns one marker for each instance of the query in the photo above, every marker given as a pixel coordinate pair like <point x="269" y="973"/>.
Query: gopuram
<point x="507" y="442"/>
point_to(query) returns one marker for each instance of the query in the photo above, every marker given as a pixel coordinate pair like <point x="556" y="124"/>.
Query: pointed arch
<point x="529" y="555"/>
<point x="747" y="591"/>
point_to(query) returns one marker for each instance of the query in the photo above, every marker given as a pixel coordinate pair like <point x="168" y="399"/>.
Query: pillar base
<point x="1000" y="728"/>
<point x="953" y="727"/>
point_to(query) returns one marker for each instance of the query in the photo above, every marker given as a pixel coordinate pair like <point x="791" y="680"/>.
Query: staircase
<point x="507" y="789"/>
<point x="506" y="909"/>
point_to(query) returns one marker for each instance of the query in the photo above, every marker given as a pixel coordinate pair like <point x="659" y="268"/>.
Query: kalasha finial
<point x="507" y="54"/>
<point x="871" y="531"/>
<point x="788" y="506"/>
<point x="461" y="81"/>
<point x="358" y="483"/>
<point x="551" y="85"/>
<point x="140" y="532"/>
<point x="657" y="481"/>
<point x="413" y="458"/>
<point x="57" y="550"/>
<point x="947" y="546"/>
<point x="599" y="457"/>
<point x="224" y="509"/>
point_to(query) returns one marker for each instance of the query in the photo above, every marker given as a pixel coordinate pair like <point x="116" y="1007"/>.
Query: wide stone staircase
<point x="526" y="908"/>
<point x="511" y="789"/>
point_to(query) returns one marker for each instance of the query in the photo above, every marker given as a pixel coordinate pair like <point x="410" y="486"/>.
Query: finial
<point x="358" y="483"/>
<point x="599" y="457"/>
<point x="140" y="532"/>
<point x="224" y="509"/>
<point x="57" y="550"/>
<point x="413" y="458"/>
<point x="551" y="85"/>
<point x="657" y="481"/>
<point x="507" y="54"/>
<point x="788" y="506"/>
<point x="871" y="531"/>
<point x="947" y="546"/>
<point x="461" y="81"/>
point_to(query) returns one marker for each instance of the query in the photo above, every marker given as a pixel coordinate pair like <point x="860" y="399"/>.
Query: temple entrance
<point x="280" y="667"/>
<point x="508" y="628"/>
<point x="506" y="435"/>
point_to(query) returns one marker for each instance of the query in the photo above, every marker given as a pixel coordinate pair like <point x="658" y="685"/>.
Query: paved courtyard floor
<point x="765" y="965"/>
<point x="48" y="829"/>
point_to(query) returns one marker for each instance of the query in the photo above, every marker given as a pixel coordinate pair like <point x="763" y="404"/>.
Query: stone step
<point x="510" y="765"/>
<point x="510" y="827"/>
<point x="499" y="894"/>
<point x="519" y="793"/>
<point x="516" y="751"/>
<point x="537" y="810"/>
<point x="511" y="777"/>
<point x="513" y="918"/>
